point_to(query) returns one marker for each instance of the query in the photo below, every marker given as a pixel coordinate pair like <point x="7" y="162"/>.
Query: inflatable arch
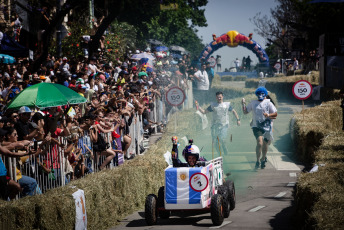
<point x="233" y="39"/>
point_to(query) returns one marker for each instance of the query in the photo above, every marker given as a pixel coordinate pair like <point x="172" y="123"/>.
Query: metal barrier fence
<point x="53" y="169"/>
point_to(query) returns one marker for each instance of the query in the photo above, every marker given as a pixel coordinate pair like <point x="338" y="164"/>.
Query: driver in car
<point x="191" y="154"/>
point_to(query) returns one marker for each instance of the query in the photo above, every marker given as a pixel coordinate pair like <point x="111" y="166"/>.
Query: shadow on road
<point x="177" y="218"/>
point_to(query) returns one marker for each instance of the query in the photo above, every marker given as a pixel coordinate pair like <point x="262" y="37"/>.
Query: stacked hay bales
<point x="319" y="196"/>
<point x="110" y="195"/>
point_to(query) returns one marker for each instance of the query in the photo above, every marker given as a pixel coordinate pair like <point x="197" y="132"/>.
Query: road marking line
<point x="223" y="224"/>
<point x="256" y="208"/>
<point x="281" y="194"/>
<point x="291" y="184"/>
<point x="292" y="174"/>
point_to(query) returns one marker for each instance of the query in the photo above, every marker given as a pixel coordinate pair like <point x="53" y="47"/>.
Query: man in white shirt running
<point x="263" y="112"/>
<point x="220" y="123"/>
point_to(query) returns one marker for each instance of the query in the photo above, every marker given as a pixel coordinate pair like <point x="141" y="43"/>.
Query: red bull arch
<point x="233" y="39"/>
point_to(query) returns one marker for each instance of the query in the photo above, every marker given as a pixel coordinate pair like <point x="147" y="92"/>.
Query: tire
<point x="216" y="209"/>
<point x="151" y="210"/>
<point x="161" y="204"/>
<point x="223" y="190"/>
<point x="232" y="199"/>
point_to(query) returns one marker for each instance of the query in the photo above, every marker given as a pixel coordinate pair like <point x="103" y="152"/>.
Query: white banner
<point x="80" y="210"/>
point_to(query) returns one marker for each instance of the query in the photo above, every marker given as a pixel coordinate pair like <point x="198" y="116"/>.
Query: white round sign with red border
<point x="212" y="61"/>
<point x="277" y="66"/>
<point x="175" y="96"/>
<point x="199" y="182"/>
<point x="302" y="89"/>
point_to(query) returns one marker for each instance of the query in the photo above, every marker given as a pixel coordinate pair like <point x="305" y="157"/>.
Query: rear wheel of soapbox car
<point x="224" y="192"/>
<point x="217" y="210"/>
<point x="151" y="211"/>
<point x="230" y="185"/>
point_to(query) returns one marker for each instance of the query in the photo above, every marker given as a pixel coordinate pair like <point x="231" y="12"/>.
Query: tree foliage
<point x="299" y="19"/>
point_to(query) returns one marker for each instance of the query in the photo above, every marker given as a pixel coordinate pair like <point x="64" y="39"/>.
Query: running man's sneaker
<point x="257" y="165"/>
<point x="262" y="165"/>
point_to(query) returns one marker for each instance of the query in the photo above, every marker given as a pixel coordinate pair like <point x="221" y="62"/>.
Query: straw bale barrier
<point x="227" y="78"/>
<point x="110" y="195"/>
<point x="319" y="139"/>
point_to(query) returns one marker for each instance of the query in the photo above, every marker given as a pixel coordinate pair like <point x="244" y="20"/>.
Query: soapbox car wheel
<point x="151" y="210"/>
<point x="224" y="192"/>
<point x="163" y="214"/>
<point x="217" y="210"/>
<point x="230" y="185"/>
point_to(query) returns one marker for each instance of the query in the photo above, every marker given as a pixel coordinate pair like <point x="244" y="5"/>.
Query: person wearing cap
<point x="264" y="111"/>
<point x="23" y="125"/>
<point x="64" y="66"/>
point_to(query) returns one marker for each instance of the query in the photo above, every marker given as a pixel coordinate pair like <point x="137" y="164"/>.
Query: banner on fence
<point x="80" y="210"/>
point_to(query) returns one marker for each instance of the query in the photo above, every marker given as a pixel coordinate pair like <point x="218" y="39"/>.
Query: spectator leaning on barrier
<point x="263" y="112"/>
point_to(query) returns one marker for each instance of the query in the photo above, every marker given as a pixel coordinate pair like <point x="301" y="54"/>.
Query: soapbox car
<point x="193" y="189"/>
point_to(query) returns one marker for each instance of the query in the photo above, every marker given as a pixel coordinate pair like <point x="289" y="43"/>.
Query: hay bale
<point x="227" y="78"/>
<point x="240" y="78"/>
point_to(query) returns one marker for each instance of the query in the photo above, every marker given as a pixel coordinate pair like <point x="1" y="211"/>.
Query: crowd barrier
<point x="53" y="169"/>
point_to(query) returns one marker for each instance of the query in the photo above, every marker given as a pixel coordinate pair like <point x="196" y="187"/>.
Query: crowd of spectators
<point x="64" y="140"/>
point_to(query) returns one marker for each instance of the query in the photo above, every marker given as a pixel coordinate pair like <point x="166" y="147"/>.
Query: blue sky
<point x="225" y="15"/>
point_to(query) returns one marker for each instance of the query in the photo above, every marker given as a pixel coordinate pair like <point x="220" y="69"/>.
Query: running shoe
<point x="262" y="164"/>
<point x="257" y="165"/>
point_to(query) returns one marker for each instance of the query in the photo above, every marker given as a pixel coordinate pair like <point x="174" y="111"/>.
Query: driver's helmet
<point x="191" y="150"/>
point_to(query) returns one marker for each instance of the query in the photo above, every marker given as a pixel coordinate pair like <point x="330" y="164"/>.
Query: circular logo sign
<point x="277" y="66"/>
<point x="199" y="182"/>
<point x="175" y="96"/>
<point x="212" y="62"/>
<point x="302" y="89"/>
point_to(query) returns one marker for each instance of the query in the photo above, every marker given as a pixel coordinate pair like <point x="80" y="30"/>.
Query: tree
<point x="299" y="19"/>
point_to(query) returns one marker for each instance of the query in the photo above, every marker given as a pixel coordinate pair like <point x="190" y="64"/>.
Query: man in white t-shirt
<point x="202" y="84"/>
<point x="263" y="111"/>
<point x="220" y="123"/>
<point x="92" y="67"/>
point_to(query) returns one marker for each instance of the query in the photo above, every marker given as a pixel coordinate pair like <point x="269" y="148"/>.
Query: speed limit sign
<point x="302" y="89"/>
<point x="175" y="96"/>
<point x="277" y="66"/>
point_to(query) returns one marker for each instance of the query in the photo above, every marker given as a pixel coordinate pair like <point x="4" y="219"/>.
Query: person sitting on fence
<point x="101" y="144"/>
<point x="72" y="152"/>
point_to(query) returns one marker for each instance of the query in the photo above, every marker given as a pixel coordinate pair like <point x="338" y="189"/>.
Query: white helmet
<point x="191" y="150"/>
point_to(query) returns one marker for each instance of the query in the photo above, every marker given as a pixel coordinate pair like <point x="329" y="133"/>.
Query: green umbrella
<point x="46" y="95"/>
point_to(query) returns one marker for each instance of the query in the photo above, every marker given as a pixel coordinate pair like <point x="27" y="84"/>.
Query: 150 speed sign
<point x="302" y="89"/>
<point x="175" y="96"/>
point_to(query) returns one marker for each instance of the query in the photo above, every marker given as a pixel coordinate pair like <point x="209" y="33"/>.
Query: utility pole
<point x="58" y="31"/>
<point x="91" y="13"/>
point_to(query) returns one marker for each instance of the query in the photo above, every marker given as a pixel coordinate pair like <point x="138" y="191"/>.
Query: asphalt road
<point x="263" y="197"/>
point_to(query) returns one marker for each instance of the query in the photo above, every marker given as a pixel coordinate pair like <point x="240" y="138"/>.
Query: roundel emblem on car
<point x="199" y="182"/>
<point x="182" y="176"/>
